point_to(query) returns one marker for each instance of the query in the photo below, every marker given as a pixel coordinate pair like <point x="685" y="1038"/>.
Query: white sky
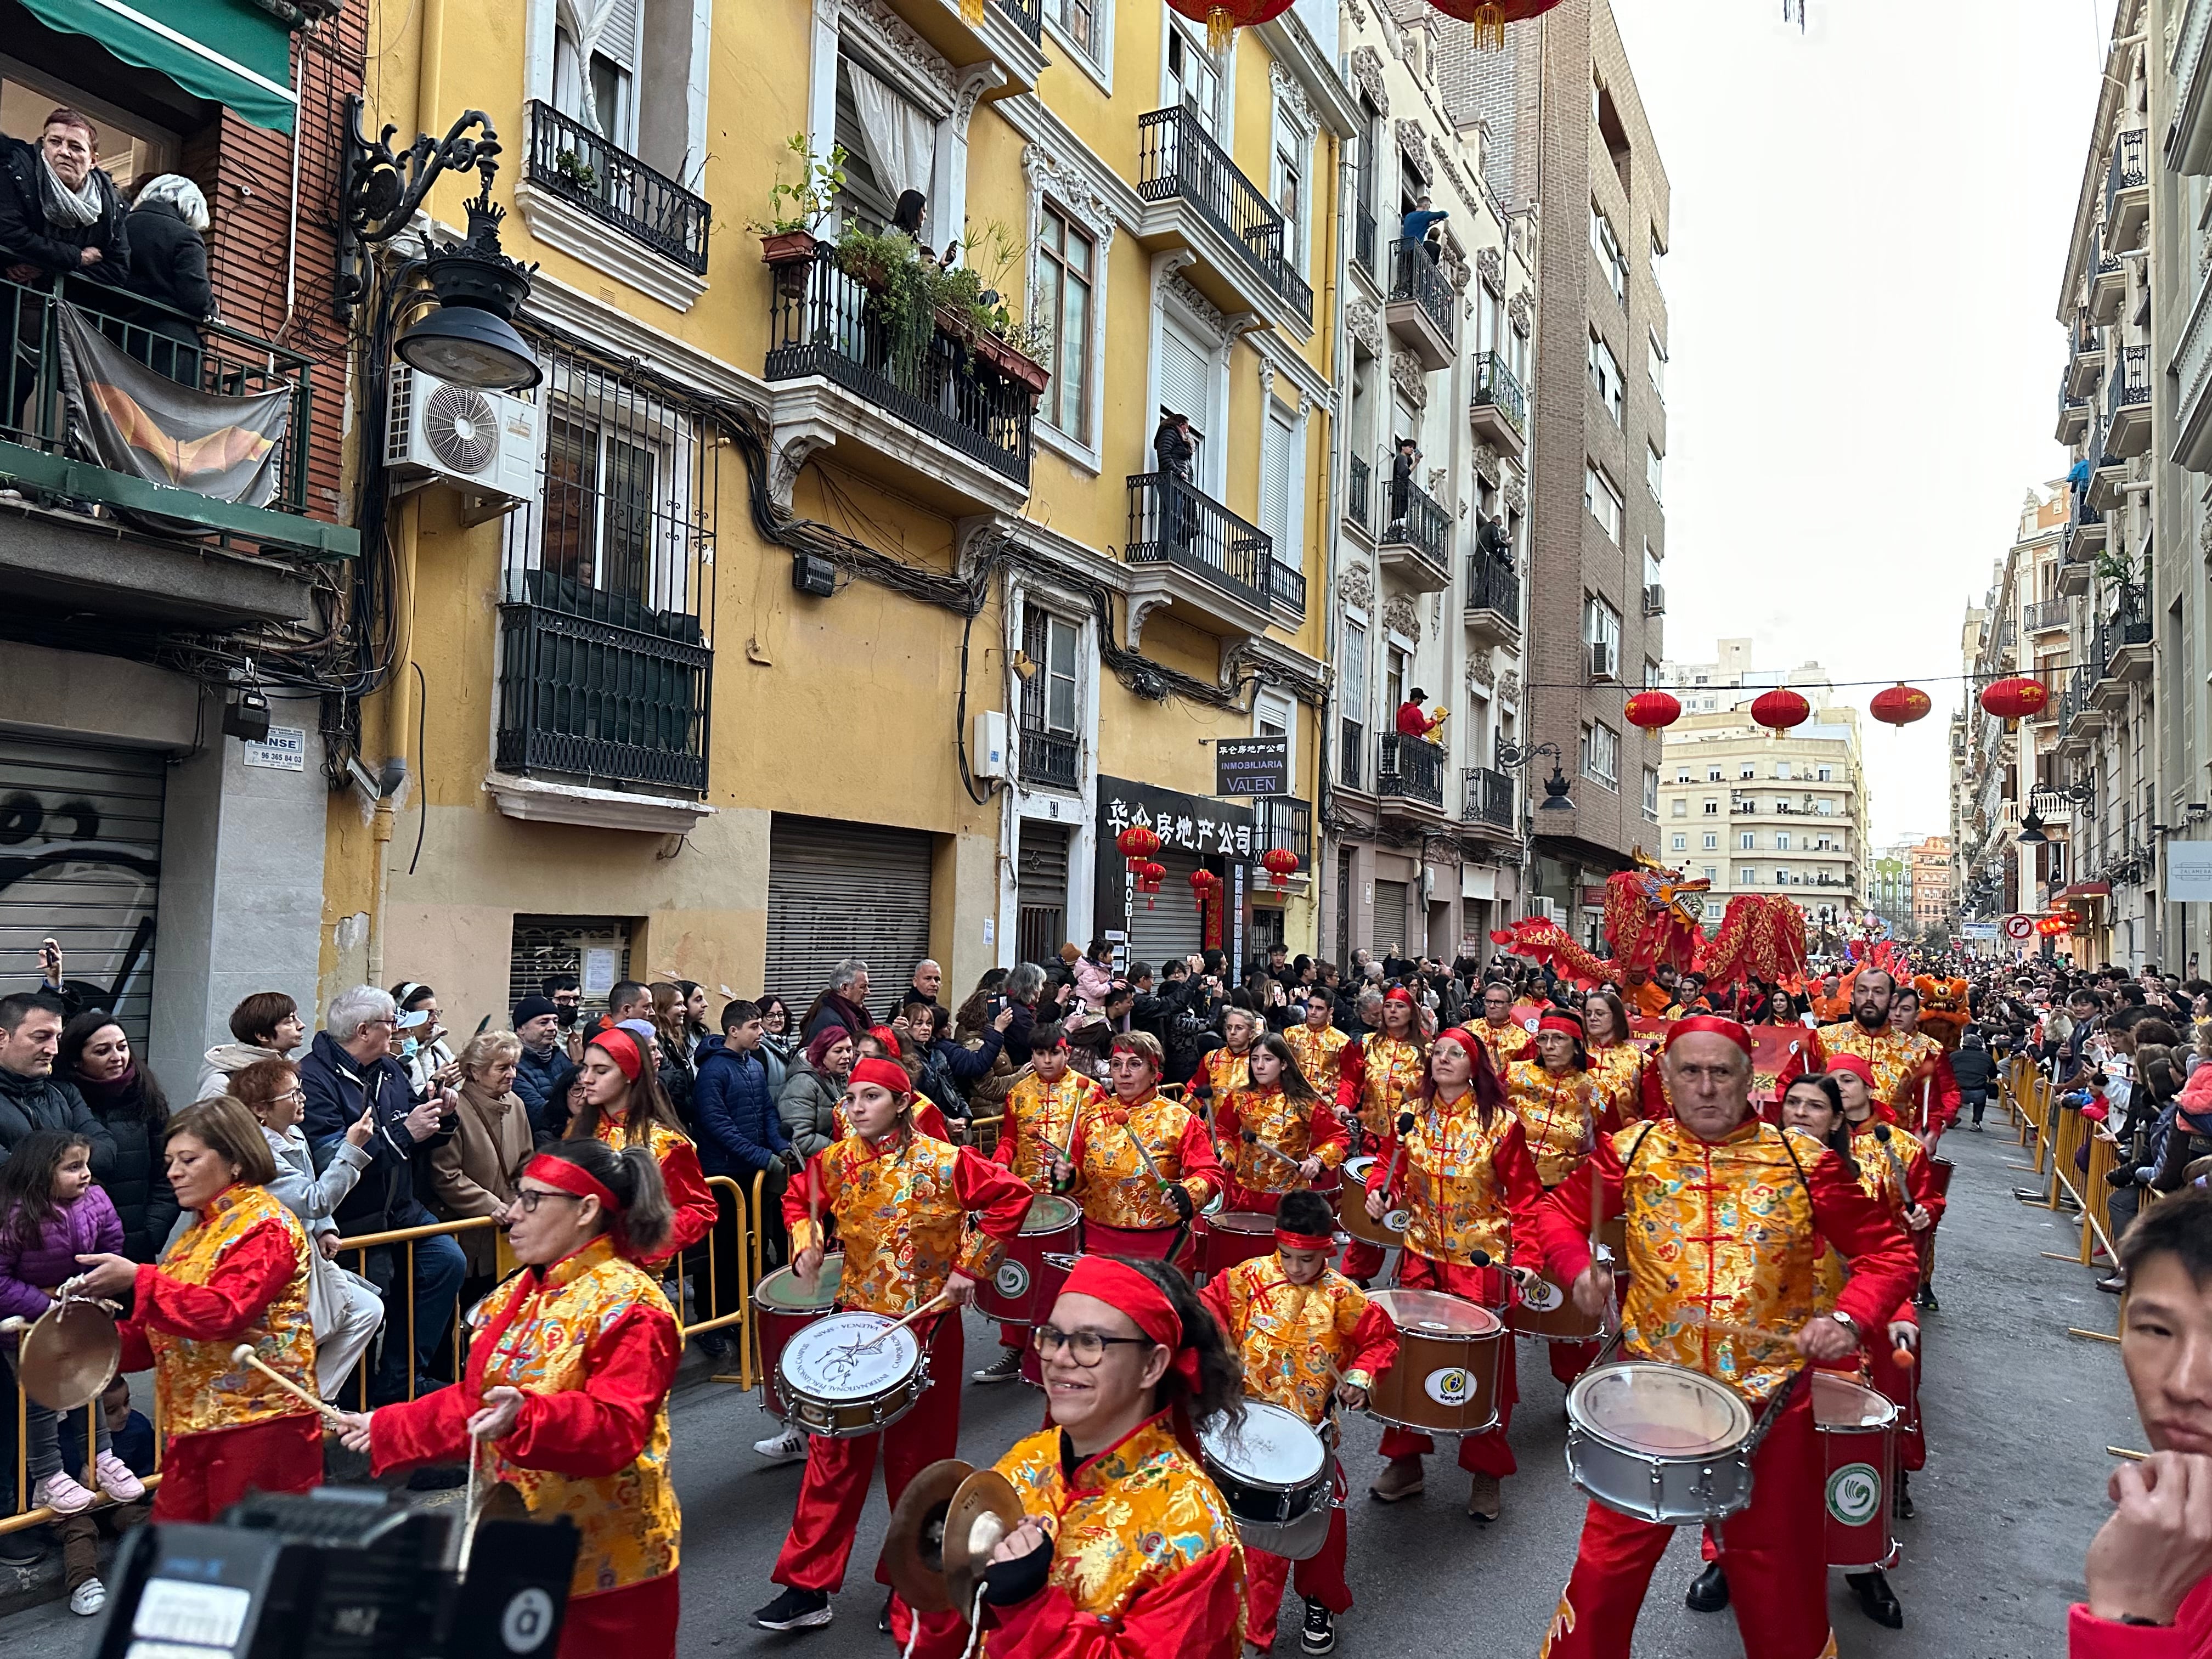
<point x="1869" y="230"/>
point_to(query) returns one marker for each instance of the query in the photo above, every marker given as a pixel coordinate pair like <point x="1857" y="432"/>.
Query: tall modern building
<point x="1567" y="131"/>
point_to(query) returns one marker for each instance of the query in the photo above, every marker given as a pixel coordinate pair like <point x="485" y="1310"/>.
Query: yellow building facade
<point x="787" y="621"/>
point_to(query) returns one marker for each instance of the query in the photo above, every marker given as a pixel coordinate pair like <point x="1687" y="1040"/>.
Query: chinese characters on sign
<point x="1252" y="766"/>
<point x="1180" y="833"/>
<point x="1194" y="831"/>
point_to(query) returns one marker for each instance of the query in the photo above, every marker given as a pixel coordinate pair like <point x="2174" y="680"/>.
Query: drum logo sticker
<point x="1542" y="1296"/>
<point x="1450" y="1386"/>
<point x="1394" y="1220"/>
<point x="1011" y="1279"/>
<point x="1855" y="1494"/>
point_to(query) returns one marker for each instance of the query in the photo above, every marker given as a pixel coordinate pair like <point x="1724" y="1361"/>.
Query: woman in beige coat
<point x="473" y="1173"/>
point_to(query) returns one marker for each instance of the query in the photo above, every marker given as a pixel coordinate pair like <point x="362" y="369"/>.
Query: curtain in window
<point x="581" y="27"/>
<point x="902" y="141"/>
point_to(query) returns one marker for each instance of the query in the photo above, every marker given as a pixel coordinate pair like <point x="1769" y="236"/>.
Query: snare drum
<point x="849" y="1374"/>
<point x="1276" y="1475"/>
<point x="1010" y="1295"/>
<point x="1053" y="1269"/>
<point x="1548" y="1311"/>
<point x="1858" y="1462"/>
<point x="1659" y="1443"/>
<point x="1232" y="1237"/>
<point x="782" y="1307"/>
<point x="1445" y="1378"/>
<point x="1351" y="1209"/>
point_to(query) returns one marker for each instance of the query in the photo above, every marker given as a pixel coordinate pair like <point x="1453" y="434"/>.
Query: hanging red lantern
<point x="2015" y="698"/>
<point x="1490" y="17"/>
<point x="1899" y="705"/>
<point x="1781" y="709"/>
<point x="1281" y="863"/>
<point x="1223" y="18"/>
<point x="1149" y="877"/>
<point x="1136" y="844"/>
<point x="1653" y="710"/>
<point x="1204" y="885"/>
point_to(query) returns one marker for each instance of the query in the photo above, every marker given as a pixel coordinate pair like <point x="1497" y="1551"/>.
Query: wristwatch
<point x="1845" y="1321"/>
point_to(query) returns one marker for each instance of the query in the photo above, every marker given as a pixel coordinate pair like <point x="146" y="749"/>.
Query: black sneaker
<point x="1006" y="1368"/>
<point x="795" y="1609"/>
<point x="1708" y="1591"/>
<point x="1320" y="1635"/>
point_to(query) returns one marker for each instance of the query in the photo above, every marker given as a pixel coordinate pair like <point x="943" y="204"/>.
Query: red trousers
<point x="1773" y="1551"/>
<point x="1479" y="1454"/>
<point x="637" y="1621"/>
<point x="205" y="1474"/>
<point x="1362" y="1261"/>
<point x="1569" y="1360"/>
<point x="1144" y="1243"/>
<point x="1898" y="1385"/>
<point x="835" y="1490"/>
<point x="1234" y="1197"/>
<point x="1318" y="1577"/>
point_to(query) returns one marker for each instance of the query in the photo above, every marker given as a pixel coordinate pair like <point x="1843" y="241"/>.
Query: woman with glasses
<point x="1141" y="1165"/>
<point x="1627" y="1075"/>
<point x="900" y="1201"/>
<point x="566" y="1395"/>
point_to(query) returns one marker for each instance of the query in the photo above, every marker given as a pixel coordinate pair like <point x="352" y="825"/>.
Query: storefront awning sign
<point x="229" y="51"/>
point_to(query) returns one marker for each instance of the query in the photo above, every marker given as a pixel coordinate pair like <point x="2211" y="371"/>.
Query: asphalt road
<point x="2019" y="1417"/>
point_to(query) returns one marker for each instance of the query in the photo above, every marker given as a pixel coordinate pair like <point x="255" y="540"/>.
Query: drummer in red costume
<point x="1318" y="1044"/>
<point x="1378" y="1076"/>
<point x="1126" y="1550"/>
<point x="566" y="1395"/>
<point x="1223" y="1069"/>
<point x="1931" y="1096"/>
<point x="899" y="1200"/>
<point x="1692" y="1187"/>
<point x="623" y="1106"/>
<point x="1142" y="1165"/>
<point x="1309" y="1339"/>
<point x="1293" y="1123"/>
<point x="1502" y="1037"/>
<point x="1629" y="1077"/>
<point x="1564" y="1107"/>
<point x="1867" y="1035"/>
<point x="1469" y="1188"/>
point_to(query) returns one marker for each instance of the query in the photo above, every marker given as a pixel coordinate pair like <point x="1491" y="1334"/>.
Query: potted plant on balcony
<point x="796" y="210"/>
<point x="970" y="308"/>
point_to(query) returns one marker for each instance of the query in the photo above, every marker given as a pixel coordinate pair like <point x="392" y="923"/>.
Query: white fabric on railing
<point x="902" y="141"/>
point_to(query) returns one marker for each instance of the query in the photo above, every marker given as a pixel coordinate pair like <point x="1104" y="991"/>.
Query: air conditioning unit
<point x="1654" y="601"/>
<point x="1602" y="669"/>
<point x="483" y="442"/>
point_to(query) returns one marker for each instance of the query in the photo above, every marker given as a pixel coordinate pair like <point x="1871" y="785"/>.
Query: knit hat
<point x="532" y="1008"/>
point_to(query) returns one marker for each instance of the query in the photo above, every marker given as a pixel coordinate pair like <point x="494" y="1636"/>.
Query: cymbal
<point x="914" y="1548"/>
<point x="70" y="1355"/>
<point x="984" y="1511"/>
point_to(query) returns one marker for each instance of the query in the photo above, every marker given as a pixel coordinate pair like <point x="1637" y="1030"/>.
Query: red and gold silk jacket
<point x="1220" y="1071"/>
<point x="1467" y="1186"/>
<point x="1146" y="1557"/>
<point x="1040" y="1118"/>
<point x="1930" y="1094"/>
<point x="1734" y="1227"/>
<point x="1111" y="1182"/>
<point x="1296" y="1128"/>
<point x="1289" y="1336"/>
<point x="238" y="1275"/>
<point x="902" y="1208"/>
<point x="1891" y="1056"/>
<point x="1320" y="1055"/>
<point x="1878" y="1174"/>
<point x="592" y="1345"/>
<point x="1503" y="1044"/>
<point x="688" y="1194"/>
<point x="1625" y="1073"/>
<point x="1375" y="1080"/>
<point x="1555" y="1109"/>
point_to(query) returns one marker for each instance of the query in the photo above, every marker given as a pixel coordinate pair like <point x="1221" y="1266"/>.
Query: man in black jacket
<point x="31" y="1097"/>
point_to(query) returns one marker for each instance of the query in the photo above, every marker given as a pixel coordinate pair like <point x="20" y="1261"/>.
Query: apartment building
<point x="1566" y="133"/>
<point x="1425" y="836"/>
<point x="1754" y="810"/>
<point x="1929" y="860"/>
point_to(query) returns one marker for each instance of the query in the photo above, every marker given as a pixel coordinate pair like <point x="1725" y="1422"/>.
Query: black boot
<point x="1902" y="1508"/>
<point x="1708" y="1591"/>
<point x="1876" y="1598"/>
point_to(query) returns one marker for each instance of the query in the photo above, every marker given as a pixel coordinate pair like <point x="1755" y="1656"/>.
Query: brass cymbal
<point x="70" y="1354"/>
<point x="914" y="1548"/>
<point x="984" y="1511"/>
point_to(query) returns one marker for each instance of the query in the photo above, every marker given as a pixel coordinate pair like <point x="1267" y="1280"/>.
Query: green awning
<point x="229" y="51"/>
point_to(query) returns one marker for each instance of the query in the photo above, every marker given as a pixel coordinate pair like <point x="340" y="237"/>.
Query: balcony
<point x="1352" y="750"/>
<point x="1286" y="589"/>
<point x="2045" y="615"/>
<point x="1285" y="821"/>
<point x="2085" y="356"/>
<point x="1363" y="243"/>
<point x="2192" y="363"/>
<point x="2056" y="810"/>
<point x="2108" y="281"/>
<point x="2127" y="639"/>
<point x="1358" y="496"/>
<point x="1500" y="410"/>
<point x="1416" y="539"/>
<point x="2127" y="191"/>
<point x="2084" y="540"/>
<point x="2073" y="416"/>
<point x="154" y="555"/>
<point x="1049" y="759"/>
<point x="2127" y="404"/>
<point x="1423" y="306"/>
<point x="943" y="417"/>
<point x="1006" y="33"/>
<point x="1410" y="769"/>
<point x="568" y="159"/>
<point x="1185" y="549"/>
<point x="1493" y="600"/>
<point x="1489" y="799"/>
<point x="1197" y="198"/>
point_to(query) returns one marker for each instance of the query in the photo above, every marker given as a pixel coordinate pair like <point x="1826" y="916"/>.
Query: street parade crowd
<point x="1210" y="1213"/>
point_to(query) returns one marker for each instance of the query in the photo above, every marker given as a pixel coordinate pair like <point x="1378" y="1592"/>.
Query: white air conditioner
<point x="1602" y="671"/>
<point x="1654" y="601"/>
<point x="484" y="442"/>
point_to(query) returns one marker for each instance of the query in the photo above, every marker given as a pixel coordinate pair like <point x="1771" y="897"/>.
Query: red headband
<point x="1566" y="1023"/>
<point x="1732" y="1029"/>
<point x="564" y="1176"/>
<point x="1120" y="1286"/>
<point x="887" y="1037"/>
<point x="1460" y="1035"/>
<point x="629" y="1058"/>
<point x="886" y="1073"/>
<point x="1856" y="1065"/>
<point x="1291" y="1240"/>
<point x="1398" y="993"/>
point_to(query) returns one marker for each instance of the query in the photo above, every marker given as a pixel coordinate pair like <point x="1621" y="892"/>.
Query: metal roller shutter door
<point x="81" y="860"/>
<point x="844" y="890"/>
<point x="1390" y="919"/>
<point x="1172" y="927"/>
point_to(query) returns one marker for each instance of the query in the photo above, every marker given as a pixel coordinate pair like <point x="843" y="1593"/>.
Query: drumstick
<point x="1251" y="1138"/>
<point x="1137" y="1141"/>
<point x="929" y="1306"/>
<point x="1752" y="1333"/>
<point x="1398" y="1155"/>
<point x="243" y="1354"/>
<point x="1896" y="1166"/>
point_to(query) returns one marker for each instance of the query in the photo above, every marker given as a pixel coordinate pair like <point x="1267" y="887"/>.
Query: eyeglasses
<point x="294" y="1093"/>
<point x="530" y="1197"/>
<point x="1085" y="1348"/>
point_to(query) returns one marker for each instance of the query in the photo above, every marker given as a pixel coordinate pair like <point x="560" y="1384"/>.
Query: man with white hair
<point x="845" y="1002"/>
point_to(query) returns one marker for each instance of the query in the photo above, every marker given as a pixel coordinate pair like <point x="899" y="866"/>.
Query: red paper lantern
<point x="1899" y="705"/>
<point x="1223" y="18"/>
<point x="2015" y="698"/>
<point x="1281" y="863"/>
<point x="1490" y="17"/>
<point x="1136" y="844"/>
<point x="1781" y="709"/>
<point x="1653" y="710"/>
<point x="1204" y="885"/>
<point x="1149" y="877"/>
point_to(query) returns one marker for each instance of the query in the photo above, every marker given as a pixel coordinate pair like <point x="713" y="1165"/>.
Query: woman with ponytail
<point x="1565" y="1107"/>
<point x="566" y="1395"/>
<point x="624" y="1106"/>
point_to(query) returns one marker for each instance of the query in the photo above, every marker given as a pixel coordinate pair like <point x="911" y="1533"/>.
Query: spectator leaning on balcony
<point x="58" y="212"/>
<point x="168" y="263"/>
<point x="1415" y="228"/>
<point x="1412" y="722"/>
<point x="1401" y="478"/>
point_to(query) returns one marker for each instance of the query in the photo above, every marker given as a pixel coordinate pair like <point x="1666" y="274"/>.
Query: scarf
<point x="66" y="209"/>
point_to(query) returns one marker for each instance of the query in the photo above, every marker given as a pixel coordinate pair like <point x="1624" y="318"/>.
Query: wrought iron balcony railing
<point x="1286" y="587"/>
<point x="1286" y="821"/>
<point x="1414" y="519"/>
<point x="2129" y="168"/>
<point x="1052" y="759"/>
<point x="1352" y="745"/>
<point x="2042" y="615"/>
<point x="2127" y="383"/>
<point x="1410" y="768"/>
<point x="1174" y="522"/>
<point x="1496" y="386"/>
<point x="1493" y="585"/>
<point x="1027" y="15"/>
<point x="1362" y="239"/>
<point x="576" y="164"/>
<point x="1416" y="276"/>
<point x="1177" y="160"/>
<point x="1358" y="506"/>
<point x="1489" y="797"/>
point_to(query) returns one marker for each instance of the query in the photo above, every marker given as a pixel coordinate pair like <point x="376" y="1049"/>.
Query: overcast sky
<point x="1870" y="229"/>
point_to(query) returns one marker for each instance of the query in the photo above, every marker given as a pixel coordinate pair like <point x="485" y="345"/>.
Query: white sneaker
<point x="786" y="1446"/>
<point x="89" y="1598"/>
<point x="61" y="1494"/>
<point x="116" y="1479"/>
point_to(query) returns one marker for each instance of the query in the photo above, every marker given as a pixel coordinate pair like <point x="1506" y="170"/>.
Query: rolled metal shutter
<point x="1390" y="919"/>
<point x="844" y="890"/>
<point x="1172" y="927"/>
<point x="81" y="861"/>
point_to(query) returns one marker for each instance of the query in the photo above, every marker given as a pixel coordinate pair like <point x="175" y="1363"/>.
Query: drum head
<point x="1243" y="1221"/>
<point x="1355" y="1171"/>
<point x="1668" y="1411"/>
<point x="1049" y="1213"/>
<point x="835" y="1359"/>
<point x="1270" y="1447"/>
<point x="781" y="1289"/>
<point x="1434" y="1314"/>
<point x="1841" y="1403"/>
<point x="70" y="1355"/>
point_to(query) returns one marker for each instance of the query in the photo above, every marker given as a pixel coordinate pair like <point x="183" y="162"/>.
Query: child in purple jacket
<point x="51" y="1213"/>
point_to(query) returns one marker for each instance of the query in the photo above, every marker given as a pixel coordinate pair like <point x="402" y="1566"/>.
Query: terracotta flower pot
<point x="790" y="254"/>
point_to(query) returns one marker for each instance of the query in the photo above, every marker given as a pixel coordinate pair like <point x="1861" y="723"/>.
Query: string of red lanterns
<point x="2018" y="697"/>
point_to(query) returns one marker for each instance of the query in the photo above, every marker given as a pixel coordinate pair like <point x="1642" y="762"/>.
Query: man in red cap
<point x="1728" y="1218"/>
<point x="1378" y="1075"/>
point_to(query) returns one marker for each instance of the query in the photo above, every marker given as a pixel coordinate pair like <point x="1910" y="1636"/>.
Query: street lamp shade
<point x="2031" y="831"/>
<point x="1555" y="793"/>
<point x="467" y="345"/>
